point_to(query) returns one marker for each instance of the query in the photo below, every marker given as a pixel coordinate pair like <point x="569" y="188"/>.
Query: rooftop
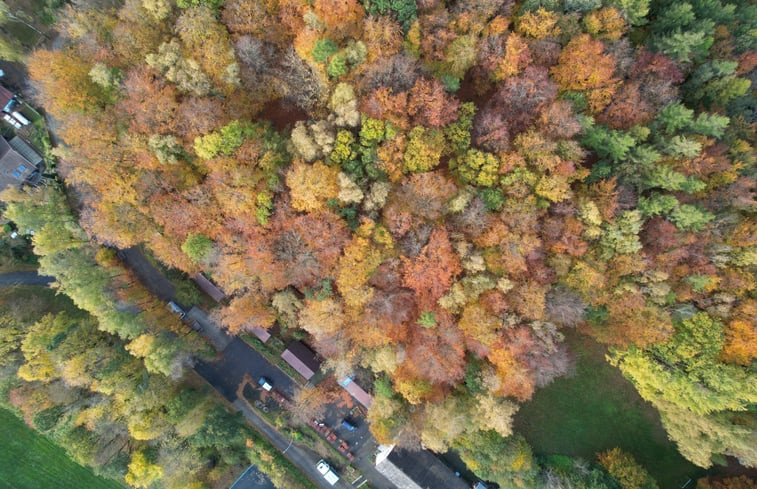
<point x="302" y="359"/>
<point x="252" y="478"/>
<point x="416" y="470"/>
<point x="5" y="96"/>
<point x="209" y="287"/>
<point x="24" y="149"/>
<point x="18" y="162"/>
<point x="260" y="333"/>
<point x="357" y="392"/>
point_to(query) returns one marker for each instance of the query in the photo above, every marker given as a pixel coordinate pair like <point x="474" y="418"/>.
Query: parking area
<point x="237" y="360"/>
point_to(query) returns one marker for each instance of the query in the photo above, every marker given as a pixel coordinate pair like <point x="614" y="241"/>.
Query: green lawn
<point x="31" y="461"/>
<point x="596" y="409"/>
<point x="25" y="34"/>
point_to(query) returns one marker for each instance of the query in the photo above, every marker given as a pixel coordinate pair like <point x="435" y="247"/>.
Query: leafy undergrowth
<point x="596" y="409"/>
<point x="29" y="460"/>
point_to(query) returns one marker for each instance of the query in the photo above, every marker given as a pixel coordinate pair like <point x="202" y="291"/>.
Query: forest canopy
<point x="436" y="193"/>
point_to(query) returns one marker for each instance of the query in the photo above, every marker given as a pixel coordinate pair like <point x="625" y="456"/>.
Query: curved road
<point x="24" y="278"/>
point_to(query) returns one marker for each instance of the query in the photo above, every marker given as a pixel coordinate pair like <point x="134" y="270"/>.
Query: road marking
<point x="360" y="477"/>
<point x="366" y="480"/>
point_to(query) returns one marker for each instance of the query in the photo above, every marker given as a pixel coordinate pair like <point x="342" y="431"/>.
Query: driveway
<point x="147" y="273"/>
<point x="202" y="323"/>
<point x="24" y="278"/>
<point x="237" y="360"/>
<point x="362" y="444"/>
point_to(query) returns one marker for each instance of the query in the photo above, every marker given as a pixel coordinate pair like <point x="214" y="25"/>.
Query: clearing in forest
<point x="595" y="409"/>
<point x="31" y="461"/>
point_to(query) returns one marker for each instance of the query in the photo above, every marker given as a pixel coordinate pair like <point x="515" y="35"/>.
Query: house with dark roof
<point x="416" y="469"/>
<point x="302" y="359"/>
<point x="209" y="287"/>
<point x="19" y="163"/>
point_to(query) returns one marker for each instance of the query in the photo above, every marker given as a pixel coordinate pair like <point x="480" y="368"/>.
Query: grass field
<point x="31" y="461"/>
<point x="596" y="409"/>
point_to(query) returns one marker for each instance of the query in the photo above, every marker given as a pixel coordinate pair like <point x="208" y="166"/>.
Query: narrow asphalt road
<point x="150" y="276"/>
<point x="24" y="278"/>
<point x="236" y="361"/>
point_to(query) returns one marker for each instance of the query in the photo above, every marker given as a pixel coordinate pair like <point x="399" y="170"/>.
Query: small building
<point x="416" y="469"/>
<point x="253" y="478"/>
<point x="302" y="359"/>
<point x="260" y="333"/>
<point x="7" y="99"/>
<point x="209" y="287"/>
<point x="357" y="392"/>
<point x="19" y="163"/>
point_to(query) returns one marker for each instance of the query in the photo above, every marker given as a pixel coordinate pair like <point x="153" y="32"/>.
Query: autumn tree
<point x="700" y="395"/>
<point x="310" y="403"/>
<point x="430" y="274"/>
<point x="64" y="81"/>
<point x="623" y="468"/>
<point x="583" y="65"/>
<point x="312" y="186"/>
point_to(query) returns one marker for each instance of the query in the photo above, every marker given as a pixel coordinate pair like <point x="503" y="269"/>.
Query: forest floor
<point x="31" y="461"/>
<point x="595" y="409"/>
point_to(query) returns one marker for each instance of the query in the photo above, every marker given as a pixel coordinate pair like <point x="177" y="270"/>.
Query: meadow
<point x="595" y="409"/>
<point x="31" y="461"/>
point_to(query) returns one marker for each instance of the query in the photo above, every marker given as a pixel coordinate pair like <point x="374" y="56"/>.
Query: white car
<point x="325" y="469"/>
<point x="265" y="384"/>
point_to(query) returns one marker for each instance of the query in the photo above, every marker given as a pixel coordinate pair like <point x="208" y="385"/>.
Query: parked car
<point x="348" y="425"/>
<point x="175" y="308"/>
<point x="325" y="470"/>
<point x="265" y="384"/>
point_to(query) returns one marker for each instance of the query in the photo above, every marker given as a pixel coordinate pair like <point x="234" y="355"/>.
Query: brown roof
<point x="357" y="392"/>
<point x="209" y="287"/>
<point x="302" y="359"/>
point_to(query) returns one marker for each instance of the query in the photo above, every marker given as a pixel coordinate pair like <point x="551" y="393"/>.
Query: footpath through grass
<point x="596" y="409"/>
<point x="28" y="460"/>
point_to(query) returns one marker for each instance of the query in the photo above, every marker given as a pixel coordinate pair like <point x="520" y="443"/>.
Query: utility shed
<point x="260" y="333"/>
<point x="416" y="469"/>
<point x="357" y="392"/>
<point x="302" y="359"/>
<point x="19" y="163"/>
<point x="209" y="287"/>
